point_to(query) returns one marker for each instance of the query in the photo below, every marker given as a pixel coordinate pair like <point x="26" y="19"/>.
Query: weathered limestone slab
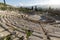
<point x="54" y="38"/>
<point x="4" y="33"/>
<point x="34" y="38"/>
<point x="1" y="29"/>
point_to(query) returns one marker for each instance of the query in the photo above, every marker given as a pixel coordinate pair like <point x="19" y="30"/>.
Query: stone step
<point x="54" y="35"/>
<point x="4" y="33"/>
<point x="3" y="19"/>
<point x="54" y="38"/>
<point x="38" y="35"/>
<point x="1" y="29"/>
<point x="6" y="28"/>
<point x="23" y="31"/>
<point x="10" y="20"/>
<point x="15" y="27"/>
<point x="35" y="38"/>
<point x="52" y="29"/>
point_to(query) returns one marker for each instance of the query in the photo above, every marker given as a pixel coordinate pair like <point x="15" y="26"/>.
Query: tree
<point x="4" y="8"/>
<point x="32" y="7"/>
<point x="4" y="2"/>
<point x="35" y="8"/>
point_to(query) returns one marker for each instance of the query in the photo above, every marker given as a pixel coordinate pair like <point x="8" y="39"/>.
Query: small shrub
<point x="6" y="38"/>
<point x="28" y="33"/>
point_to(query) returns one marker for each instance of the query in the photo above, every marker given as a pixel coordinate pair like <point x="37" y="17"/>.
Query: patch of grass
<point x="28" y="33"/>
